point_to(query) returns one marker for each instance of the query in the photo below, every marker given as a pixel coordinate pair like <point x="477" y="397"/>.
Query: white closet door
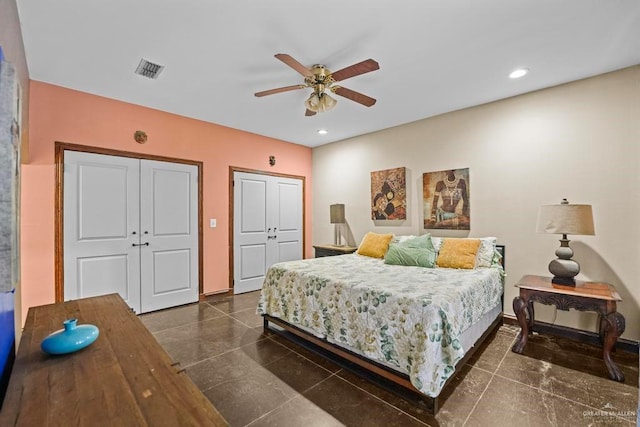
<point x="267" y="226"/>
<point x="130" y="227"/>
<point x="169" y="225"/>
<point x="286" y="216"/>
<point x="101" y="220"/>
<point x="249" y="231"/>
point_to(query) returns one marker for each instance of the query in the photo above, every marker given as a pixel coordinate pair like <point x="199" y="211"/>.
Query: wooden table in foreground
<point x="585" y="296"/>
<point x="124" y="378"/>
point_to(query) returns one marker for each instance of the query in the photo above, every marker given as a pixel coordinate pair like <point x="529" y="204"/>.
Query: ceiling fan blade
<point x="309" y="113"/>
<point x="355" y="70"/>
<point x="358" y="97"/>
<point x="287" y="59"/>
<point x="278" y="90"/>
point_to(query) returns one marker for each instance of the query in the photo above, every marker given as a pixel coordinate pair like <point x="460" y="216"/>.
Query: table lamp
<point x="565" y="219"/>
<point x="337" y="217"/>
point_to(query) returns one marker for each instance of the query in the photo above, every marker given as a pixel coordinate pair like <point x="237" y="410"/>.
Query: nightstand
<point x="584" y="296"/>
<point x="331" y="250"/>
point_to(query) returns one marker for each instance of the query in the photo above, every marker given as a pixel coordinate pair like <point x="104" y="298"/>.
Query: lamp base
<point x="566" y="281"/>
<point x="337" y="240"/>
<point x="563" y="268"/>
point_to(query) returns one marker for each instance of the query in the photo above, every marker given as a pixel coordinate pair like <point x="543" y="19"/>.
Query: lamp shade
<point x="337" y="214"/>
<point x="320" y="102"/>
<point x="565" y="218"/>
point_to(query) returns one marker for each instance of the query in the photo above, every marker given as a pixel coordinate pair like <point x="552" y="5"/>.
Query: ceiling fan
<point x="321" y="80"/>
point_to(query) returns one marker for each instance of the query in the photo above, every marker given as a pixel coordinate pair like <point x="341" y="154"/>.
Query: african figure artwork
<point x="446" y="199"/>
<point x="389" y="194"/>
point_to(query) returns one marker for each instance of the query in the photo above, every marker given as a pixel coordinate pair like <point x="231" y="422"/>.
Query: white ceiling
<point x="435" y="56"/>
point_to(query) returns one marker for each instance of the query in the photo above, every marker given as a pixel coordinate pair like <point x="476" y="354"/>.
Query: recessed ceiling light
<point x="520" y="72"/>
<point x="323" y="131"/>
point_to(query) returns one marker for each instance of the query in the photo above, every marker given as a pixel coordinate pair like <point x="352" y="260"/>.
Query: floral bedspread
<point x="409" y="318"/>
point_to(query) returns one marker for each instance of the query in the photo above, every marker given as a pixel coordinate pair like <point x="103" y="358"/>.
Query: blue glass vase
<point x="71" y="338"/>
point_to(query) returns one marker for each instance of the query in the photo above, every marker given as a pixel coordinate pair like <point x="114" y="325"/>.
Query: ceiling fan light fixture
<point x="320" y="102"/>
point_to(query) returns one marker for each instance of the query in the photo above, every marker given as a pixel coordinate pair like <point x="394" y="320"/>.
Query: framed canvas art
<point x="446" y="199"/>
<point x="10" y="120"/>
<point x="389" y="194"/>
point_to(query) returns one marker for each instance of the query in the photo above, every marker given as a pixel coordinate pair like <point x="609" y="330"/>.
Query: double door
<point x="267" y="226"/>
<point x="131" y="227"/>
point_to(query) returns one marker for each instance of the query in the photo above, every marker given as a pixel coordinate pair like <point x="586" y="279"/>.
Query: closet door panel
<point x="171" y="271"/>
<point x="101" y="225"/>
<point x="97" y="273"/>
<point x="102" y="193"/>
<point x="254" y="259"/>
<point x="171" y="207"/>
<point x="169" y="240"/>
<point x="288" y="206"/>
<point x="251" y="234"/>
<point x="288" y="251"/>
<point x="287" y="215"/>
<point x="253" y="213"/>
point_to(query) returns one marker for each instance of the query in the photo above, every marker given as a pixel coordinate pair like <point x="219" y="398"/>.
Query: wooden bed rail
<point x="375" y="372"/>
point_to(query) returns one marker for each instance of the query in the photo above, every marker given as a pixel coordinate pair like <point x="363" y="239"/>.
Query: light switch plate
<point x="212" y="223"/>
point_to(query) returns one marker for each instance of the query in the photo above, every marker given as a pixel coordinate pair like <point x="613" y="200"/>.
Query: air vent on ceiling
<point x="149" y="69"/>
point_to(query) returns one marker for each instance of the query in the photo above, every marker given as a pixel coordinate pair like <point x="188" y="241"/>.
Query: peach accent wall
<point x="59" y="114"/>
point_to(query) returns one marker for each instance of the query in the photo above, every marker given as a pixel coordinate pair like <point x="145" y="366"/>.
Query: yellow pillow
<point x="458" y="253"/>
<point x="374" y="245"/>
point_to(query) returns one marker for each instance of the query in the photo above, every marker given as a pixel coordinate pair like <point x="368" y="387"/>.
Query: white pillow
<point x="485" y="252"/>
<point x="437" y="242"/>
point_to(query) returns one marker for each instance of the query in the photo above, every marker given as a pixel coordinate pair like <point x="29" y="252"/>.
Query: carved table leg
<point x="520" y="308"/>
<point x="602" y="325"/>
<point x="531" y="315"/>
<point x="613" y="326"/>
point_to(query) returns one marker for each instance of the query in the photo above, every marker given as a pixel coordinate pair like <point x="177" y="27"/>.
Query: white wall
<point x="579" y="140"/>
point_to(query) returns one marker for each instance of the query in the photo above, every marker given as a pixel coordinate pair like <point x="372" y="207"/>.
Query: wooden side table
<point x="331" y="250"/>
<point x="585" y="296"/>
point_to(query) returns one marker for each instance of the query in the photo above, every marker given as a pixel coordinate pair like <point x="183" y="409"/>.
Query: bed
<point x="405" y="323"/>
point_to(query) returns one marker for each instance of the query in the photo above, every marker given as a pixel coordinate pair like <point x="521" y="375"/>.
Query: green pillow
<point x="418" y="251"/>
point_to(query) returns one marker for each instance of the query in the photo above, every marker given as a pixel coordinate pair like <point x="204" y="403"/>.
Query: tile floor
<point x="257" y="379"/>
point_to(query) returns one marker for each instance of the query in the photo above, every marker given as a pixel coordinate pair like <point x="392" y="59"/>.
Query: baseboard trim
<point x="575" y="334"/>
<point x="204" y="296"/>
